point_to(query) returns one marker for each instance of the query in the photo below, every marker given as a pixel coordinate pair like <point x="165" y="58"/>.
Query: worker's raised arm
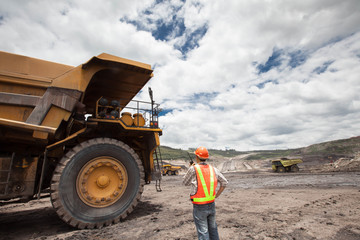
<point x="188" y="176"/>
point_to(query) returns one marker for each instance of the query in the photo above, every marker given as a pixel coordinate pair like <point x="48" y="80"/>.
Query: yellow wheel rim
<point x="101" y="182"/>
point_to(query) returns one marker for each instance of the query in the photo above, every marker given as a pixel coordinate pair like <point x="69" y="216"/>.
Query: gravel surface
<point x="255" y="205"/>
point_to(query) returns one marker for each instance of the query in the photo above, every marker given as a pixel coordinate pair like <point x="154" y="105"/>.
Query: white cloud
<point x="227" y="91"/>
<point x="71" y="33"/>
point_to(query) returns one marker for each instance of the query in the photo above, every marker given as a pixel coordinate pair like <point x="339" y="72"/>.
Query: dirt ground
<point x="257" y="204"/>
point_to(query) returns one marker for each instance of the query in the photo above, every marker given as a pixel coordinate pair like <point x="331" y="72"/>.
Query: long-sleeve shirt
<point x="190" y="179"/>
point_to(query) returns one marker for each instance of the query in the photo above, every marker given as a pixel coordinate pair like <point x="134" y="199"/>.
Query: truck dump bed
<point x="36" y="96"/>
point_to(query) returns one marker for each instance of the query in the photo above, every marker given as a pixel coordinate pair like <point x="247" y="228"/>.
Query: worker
<point x="203" y="179"/>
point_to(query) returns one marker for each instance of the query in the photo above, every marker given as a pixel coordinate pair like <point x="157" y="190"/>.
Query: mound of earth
<point x="344" y="164"/>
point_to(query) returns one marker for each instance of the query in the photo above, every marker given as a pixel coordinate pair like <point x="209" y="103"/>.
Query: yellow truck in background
<point x="168" y="169"/>
<point x="285" y="165"/>
<point x="78" y="133"/>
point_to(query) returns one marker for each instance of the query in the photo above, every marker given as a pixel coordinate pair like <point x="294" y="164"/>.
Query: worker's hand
<point x="221" y="189"/>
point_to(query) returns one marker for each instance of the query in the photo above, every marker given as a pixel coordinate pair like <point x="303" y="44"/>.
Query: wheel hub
<point x="101" y="181"/>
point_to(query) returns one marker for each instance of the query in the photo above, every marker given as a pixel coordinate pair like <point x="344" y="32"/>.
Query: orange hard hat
<point x="202" y="153"/>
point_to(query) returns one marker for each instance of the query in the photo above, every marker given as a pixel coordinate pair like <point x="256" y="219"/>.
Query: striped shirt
<point x="190" y="179"/>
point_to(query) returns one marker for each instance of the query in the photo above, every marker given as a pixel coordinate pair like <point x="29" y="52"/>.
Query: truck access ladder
<point x="5" y="174"/>
<point x="158" y="166"/>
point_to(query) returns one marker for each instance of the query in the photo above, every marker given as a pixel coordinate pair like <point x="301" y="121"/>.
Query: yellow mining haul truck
<point x="61" y="131"/>
<point x="285" y="165"/>
<point x="168" y="169"/>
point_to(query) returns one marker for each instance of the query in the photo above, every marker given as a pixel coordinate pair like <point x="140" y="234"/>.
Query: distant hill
<point x="338" y="147"/>
<point x="169" y="153"/>
<point x="328" y="151"/>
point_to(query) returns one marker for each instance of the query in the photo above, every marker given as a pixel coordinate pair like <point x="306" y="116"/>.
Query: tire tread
<point x="55" y="197"/>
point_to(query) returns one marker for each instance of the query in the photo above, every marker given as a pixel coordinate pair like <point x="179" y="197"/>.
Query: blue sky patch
<point x="163" y="112"/>
<point x="323" y="68"/>
<point x="164" y="30"/>
<point x="273" y="61"/>
<point x="169" y="29"/>
<point x="192" y="40"/>
<point x="297" y="58"/>
<point x="262" y="85"/>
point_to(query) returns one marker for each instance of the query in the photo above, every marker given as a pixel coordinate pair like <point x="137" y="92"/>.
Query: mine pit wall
<point x="312" y="160"/>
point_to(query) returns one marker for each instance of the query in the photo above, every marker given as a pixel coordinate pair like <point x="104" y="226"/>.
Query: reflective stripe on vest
<point x="205" y="196"/>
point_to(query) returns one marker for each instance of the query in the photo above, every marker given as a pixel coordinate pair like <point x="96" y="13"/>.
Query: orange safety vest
<point x="207" y="182"/>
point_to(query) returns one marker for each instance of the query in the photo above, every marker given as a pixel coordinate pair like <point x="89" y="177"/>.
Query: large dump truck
<point x="168" y="169"/>
<point x="77" y="134"/>
<point x="285" y="165"/>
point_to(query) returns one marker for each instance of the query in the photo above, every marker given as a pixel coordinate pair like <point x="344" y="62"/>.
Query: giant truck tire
<point x="97" y="183"/>
<point x="294" y="168"/>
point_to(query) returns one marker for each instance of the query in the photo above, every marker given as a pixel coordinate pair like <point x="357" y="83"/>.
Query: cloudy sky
<point x="245" y="75"/>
